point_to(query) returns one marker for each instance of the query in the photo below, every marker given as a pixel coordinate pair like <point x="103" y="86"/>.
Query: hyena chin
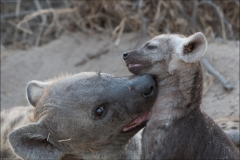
<point x="178" y="128"/>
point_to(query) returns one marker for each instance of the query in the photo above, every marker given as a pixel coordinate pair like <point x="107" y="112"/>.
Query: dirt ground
<point x="77" y="52"/>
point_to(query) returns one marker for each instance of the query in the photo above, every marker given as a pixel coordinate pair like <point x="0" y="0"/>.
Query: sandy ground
<point x="77" y="52"/>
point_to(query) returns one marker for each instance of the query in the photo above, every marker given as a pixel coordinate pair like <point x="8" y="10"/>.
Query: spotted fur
<point x="230" y="125"/>
<point x="12" y="119"/>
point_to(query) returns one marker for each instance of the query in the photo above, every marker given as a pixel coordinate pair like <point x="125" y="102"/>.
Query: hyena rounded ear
<point x="194" y="48"/>
<point x="35" y="142"/>
<point x="35" y="90"/>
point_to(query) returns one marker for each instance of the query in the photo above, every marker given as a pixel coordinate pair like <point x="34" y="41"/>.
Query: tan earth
<point x="77" y="52"/>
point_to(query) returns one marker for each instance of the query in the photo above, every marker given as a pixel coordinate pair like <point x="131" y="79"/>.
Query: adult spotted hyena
<point x="178" y="128"/>
<point x="82" y="116"/>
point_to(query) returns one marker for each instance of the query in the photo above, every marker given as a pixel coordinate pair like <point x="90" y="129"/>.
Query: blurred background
<point x="27" y="23"/>
<point x="41" y="39"/>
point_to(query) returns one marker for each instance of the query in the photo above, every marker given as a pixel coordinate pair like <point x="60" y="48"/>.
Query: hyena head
<point x="166" y="54"/>
<point x="86" y="115"/>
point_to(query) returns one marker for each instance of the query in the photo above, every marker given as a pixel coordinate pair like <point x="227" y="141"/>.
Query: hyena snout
<point x="126" y="55"/>
<point x="145" y="85"/>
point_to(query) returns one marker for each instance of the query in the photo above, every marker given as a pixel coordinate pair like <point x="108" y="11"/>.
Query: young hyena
<point x="178" y="128"/>
<point x="83" y="116"/>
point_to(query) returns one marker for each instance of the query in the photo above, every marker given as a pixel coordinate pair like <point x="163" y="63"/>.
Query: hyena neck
<point x="179" y="93"/>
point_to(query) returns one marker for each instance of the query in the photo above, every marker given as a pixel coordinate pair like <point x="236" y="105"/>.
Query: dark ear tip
<point x="13" y="135"/>
<point x="10" y="135"/>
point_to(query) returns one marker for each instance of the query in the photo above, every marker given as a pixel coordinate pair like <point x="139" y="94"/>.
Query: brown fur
<point x="178" y="128"/>
<point x="10" y="120"/>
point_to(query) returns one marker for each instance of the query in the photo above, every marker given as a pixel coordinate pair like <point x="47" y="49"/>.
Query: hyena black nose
<point x="149" y="91"/>
<point x="126" y="55"/>
<point x="146" y="86"/>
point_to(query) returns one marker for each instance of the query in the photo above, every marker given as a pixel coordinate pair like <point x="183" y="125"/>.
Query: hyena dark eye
<point x="99" y="111"/>
<point x="151" y="47"/>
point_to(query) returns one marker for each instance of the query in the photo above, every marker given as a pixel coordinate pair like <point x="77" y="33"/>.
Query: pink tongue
<point x="134" y="65"/>
<point x="138" y="121"/>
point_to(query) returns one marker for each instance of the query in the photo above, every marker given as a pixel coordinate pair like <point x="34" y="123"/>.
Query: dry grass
<point x="214" y="18"/>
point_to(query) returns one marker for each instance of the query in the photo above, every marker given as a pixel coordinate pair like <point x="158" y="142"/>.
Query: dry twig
<point x="226" y="84"/>
<point x="44" y="19"/>
<point x="143" y="16"/>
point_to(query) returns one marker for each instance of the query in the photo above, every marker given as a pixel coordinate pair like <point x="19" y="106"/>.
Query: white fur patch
<point x="178" y="43"/>
<point x="153" y="43"/>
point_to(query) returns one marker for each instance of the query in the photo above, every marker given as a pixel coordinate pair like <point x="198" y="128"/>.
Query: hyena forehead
<point x="81" y="76"/>
<point x="174" y="43"/>
<point x="86" y="75"/>
<point x="77" y="84"/>
<point x="37" y="91"/>
<point x="166" y="39"/>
